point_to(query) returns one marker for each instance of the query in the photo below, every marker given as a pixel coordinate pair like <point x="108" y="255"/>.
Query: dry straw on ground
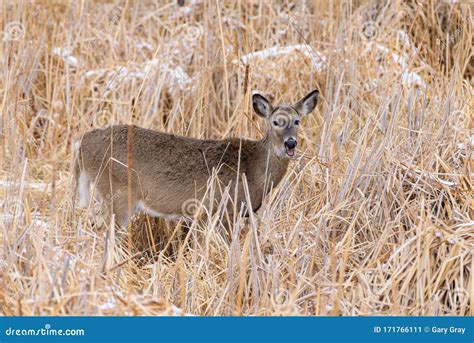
<point x="376" y="216"/>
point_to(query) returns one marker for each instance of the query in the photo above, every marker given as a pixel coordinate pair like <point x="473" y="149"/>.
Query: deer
<point x="167" y="170"/>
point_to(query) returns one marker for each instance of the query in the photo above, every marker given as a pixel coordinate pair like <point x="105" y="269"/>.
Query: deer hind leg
<point x="120" y="207"/>
<point x="113" y="198"/>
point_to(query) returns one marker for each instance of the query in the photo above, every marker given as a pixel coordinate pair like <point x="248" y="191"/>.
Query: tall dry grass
<point x="375" y="217"/>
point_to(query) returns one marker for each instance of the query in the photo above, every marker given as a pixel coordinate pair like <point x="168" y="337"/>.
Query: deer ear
<point x="308" y="103"/>
<point x="262" y="106"/>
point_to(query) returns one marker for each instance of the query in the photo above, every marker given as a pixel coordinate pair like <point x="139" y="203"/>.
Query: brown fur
<point x="168" y="170"/>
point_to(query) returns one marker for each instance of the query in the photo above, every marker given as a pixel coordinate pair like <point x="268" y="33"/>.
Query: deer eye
<point x="297" y="122"/>
<point x="275" y="122"/>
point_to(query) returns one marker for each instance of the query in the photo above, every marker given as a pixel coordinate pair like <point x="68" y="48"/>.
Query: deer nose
<point x="290" y="143"/>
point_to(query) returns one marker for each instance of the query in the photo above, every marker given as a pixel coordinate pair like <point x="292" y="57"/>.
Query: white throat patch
<point x="280" y="152"/>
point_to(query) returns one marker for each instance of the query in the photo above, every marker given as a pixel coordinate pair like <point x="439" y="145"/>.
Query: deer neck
<point x="272" y="168"/>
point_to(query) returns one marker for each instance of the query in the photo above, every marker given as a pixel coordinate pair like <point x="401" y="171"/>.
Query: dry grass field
<point x="374" y="217"/>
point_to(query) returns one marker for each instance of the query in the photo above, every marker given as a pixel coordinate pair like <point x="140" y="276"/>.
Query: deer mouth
<point x="290" y="152"/>
<point x="290" y="147"/>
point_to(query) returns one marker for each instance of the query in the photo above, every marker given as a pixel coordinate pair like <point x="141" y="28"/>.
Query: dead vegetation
<point x="375" y="217"/>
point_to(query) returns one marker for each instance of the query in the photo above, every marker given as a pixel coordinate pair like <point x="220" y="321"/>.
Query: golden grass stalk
<point x="375" y="217"/>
